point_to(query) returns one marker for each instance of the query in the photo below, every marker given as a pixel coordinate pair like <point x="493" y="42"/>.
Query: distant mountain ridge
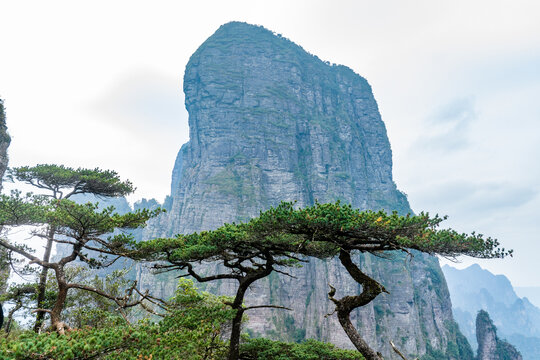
<point x="517" y="320"/>
<point x="532" y="293"/>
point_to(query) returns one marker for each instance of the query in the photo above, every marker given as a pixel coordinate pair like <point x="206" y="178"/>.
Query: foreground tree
<point x="246" y="256"/>
<point x="16" y="210"/>
<point x="20" y="295"/>
<point x="87" y="233"/>
<point x="281" y="236"/>
<point x="371" y="232"/>
<point x="82" y="308"/>
<point x="82" y="227"/>
<point x="191" y="329"/>
<point x="61" y="182"/>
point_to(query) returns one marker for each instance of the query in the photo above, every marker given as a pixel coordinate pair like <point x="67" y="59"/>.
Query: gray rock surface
<point x="5" y="140"/>
<point x="271" y="122"/>
<point x="4" y="144"/>
<point x="490" y="347"/>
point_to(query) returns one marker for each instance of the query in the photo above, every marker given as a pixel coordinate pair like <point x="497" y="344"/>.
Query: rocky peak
<point x="270" y="122"/>
<point x="490" y="347"/>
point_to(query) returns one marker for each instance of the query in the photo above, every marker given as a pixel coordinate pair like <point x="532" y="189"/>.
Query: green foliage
<point x="506" y="351"/>
<point x="19" y="209"/>
<point x="351" y="229"/>
<point x="59" y="179"/>
<point x="84" y="308"/>
<point x="457" y="346"/>
<point x="89" y="233"/>
<point x="154" y="341"/>
<point x="280" y="236"/>
<point x="433" y="354"/>
<point x="264" y="349"/>
<point x="201" y="316"/>
<point x="460" y="349"/>
<point x="85" y="343"/>
<point x="87" y="222"/>
<point x="83" y="224"/>
<point x="191" y="330"/>
<point x="229" y="242"/>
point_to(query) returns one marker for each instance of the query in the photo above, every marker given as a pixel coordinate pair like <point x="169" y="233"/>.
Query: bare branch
<point x="145" y="307"/>
<point x="330" y="314"/>
<point x="285" y="273"/>
<point x="398" y="352"/>
<point x="331" y="295"/>
<point x="33" y="259"/>
<point x="210" y="278"/>
<point x="41" y="310"/>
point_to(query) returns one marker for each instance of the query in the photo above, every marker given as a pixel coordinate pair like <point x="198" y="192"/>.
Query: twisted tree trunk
<point x="234" y="344"/>
<point x="56" y="312"/>
<point x="370" y="290"/>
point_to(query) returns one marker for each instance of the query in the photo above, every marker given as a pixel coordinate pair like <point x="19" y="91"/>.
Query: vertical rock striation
<point x="5" y="140"/>
<point x="271" y="122"/>
<point x="490" y="347"/>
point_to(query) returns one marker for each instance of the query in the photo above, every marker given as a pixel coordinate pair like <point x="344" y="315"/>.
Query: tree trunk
<point x="10" y="316"/>
<point x="56" y="312"/>
<point x="238" y="304"/>
<point x="43" y="281"/>
<point x="344" y="306"/>
<point x="234" y="345"/>
<point x="360" y="344"/>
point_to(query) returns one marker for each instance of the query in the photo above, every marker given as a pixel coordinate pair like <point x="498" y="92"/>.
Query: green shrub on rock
<point x="264" y="349"/>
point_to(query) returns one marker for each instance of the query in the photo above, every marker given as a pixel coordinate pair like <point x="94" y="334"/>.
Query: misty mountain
<point x="517" y="319"/>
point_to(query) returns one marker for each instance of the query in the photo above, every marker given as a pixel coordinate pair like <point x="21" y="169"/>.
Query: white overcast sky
<point x="458" y="85"/>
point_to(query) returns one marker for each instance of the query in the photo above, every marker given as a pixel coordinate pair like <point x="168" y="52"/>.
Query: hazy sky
<point x="458" y="85"/>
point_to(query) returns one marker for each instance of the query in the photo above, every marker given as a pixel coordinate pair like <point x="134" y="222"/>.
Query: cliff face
<point x="270" y="122"/>
<point x="4" y="143"/>
<point x="5" y="140"/>
<point x="490" y="347"/>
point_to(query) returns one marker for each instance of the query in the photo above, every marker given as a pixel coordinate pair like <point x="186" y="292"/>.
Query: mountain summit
<point x="271" y="122"/>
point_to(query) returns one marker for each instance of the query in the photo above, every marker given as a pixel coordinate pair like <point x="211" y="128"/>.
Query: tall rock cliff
<point x="5" y="140"/>
<point x="271" y="122"/>
<point x="490" y="347"/>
